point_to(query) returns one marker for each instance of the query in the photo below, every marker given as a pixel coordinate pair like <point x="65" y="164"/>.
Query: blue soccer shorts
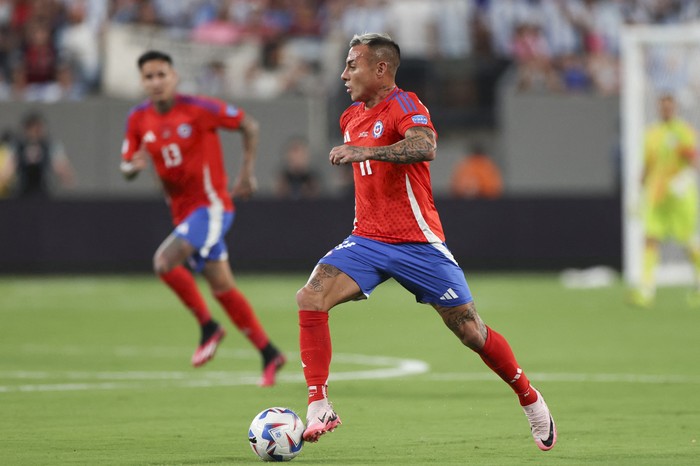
<point x="427" y="270"/>
<point x="205" y="229"/>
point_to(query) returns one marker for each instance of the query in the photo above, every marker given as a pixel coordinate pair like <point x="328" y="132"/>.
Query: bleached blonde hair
<point x="382" y="45"/>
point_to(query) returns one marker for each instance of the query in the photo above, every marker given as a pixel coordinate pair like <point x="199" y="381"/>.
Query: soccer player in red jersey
<point x="389" y="139"/>
<point x="178" y="133"/>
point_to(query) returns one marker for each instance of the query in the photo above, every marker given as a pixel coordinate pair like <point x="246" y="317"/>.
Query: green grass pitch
<point x="95" y="371"/>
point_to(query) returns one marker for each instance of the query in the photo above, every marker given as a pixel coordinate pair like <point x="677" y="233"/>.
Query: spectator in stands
<point x="6" y="50"/>
<point x="213" y="80"/>
<point x="476" y="176"/>
<point x="297" y="180"/>
<point x="574" y="73"/>
<point x="220" y="30"/>
<point x="140" y="12"/>
<point x="6" y="172"/>
<point x="266" y="24"/>
<point x="18" y="86"/>
<point x="503" y="17"/>
<point x="79" y="42"/>
<point x="276" y="73"/>
<point x="532" y="55"/>
<point x="304" y="33"/>
<point x="453" y="28"/>
<point x="604" y="70"/>
<point x="39" y="59"/>
<point x="599" y="24"/>
<point x="183" y="14"/>
<point x="147" y="14"/>
<point x="67" y="86"/>
<point x="35" y="158"/>
<point x="122" y="11"/>
<point x="585" y="30"/>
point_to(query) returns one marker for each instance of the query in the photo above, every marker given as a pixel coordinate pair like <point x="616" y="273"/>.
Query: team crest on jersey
<point x="184" y="130"/>
<point x="378" y="129"/>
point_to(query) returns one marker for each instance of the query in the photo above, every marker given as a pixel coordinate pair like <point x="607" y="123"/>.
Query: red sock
<point x="498" y="355"/>
<point x="242" y="315"/>
<point x="316" y="351"/>
<point x="317" y="392"/>
<point x="181" y="281"/>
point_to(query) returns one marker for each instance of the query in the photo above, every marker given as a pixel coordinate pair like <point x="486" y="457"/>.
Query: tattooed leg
<point x="465" y="323"/>
<point x="327" y="287"/>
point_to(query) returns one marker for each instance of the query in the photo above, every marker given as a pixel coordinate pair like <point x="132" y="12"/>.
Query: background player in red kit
<point x="179" y="134"/>
<point x="389" y="140"/>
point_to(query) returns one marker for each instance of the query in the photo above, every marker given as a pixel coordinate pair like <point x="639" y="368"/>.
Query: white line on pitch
<point x="572" y="377"/>
<point x="387" y="367"/>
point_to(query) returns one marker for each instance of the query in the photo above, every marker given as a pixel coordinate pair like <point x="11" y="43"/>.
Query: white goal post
<point x="655" y="59"/>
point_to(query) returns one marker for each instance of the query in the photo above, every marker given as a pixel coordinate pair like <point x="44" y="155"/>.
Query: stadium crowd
<point x="53" y="49"/>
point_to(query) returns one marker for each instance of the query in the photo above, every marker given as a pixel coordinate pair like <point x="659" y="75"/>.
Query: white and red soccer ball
<point x="276" y="434"/>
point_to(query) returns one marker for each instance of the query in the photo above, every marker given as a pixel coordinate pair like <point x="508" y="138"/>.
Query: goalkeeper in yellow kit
<point x="670" y="195"/>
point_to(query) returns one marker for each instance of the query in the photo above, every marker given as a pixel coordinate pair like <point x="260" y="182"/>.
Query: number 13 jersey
<point x="185" y="150"/>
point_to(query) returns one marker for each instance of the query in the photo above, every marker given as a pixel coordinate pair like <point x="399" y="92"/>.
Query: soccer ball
<point x="276" y="434"/>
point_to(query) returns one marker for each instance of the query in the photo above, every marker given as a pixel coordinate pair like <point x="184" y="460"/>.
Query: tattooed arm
<point x="418" y="146"/>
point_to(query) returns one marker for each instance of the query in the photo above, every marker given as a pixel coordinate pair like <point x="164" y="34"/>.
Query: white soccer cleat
<point x="541" y="423"/>
<point x="320" y="418"/>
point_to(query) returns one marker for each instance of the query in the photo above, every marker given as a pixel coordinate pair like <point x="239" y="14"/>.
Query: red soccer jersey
<point x="393" y="201"/>
<point x="185" y="150"/>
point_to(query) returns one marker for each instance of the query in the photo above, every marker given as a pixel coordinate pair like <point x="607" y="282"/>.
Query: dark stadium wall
<point x="116" y="236"/>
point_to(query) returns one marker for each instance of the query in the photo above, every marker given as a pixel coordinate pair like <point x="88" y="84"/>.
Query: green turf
<point x="95" y="371"/>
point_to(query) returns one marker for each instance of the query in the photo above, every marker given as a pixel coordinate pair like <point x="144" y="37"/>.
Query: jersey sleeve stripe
<point x="208" y="105"/>
<point x="407" y="105"/>
<point x="403" y="107"/>
<point x="410" y="103"/>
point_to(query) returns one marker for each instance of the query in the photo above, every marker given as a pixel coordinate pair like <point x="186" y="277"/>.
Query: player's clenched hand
<point x="245" y="186"/>
<point x="138" y="162"/>
<point x="345" y="154"/>
<point x="140" y="159"/>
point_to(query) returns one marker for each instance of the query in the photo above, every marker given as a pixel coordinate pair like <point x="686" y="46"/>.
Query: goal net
<point x="655" y="60"/>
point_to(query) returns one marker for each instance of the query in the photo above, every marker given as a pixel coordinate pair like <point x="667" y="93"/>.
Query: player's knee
<point x="471" y="337"/>
<point x="220" y="284"/>
<point x="161" y="265"/>
<point x="466" y="324"/>
<point x="308" y="300"/>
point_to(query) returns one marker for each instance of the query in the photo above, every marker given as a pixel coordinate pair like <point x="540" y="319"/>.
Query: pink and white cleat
<point x="206" y="350"/>
<point x="320" y="418"/>
<point x="541" y="423"/>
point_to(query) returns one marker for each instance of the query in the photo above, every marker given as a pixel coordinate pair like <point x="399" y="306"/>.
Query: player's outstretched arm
<point x="246" y="184"/>
<point x="418" y="145"/>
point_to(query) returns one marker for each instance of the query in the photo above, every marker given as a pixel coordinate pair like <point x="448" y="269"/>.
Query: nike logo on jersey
<point x="449" y="294"/>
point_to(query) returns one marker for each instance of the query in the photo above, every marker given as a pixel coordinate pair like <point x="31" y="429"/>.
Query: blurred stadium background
<point x="537" y="83"/>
